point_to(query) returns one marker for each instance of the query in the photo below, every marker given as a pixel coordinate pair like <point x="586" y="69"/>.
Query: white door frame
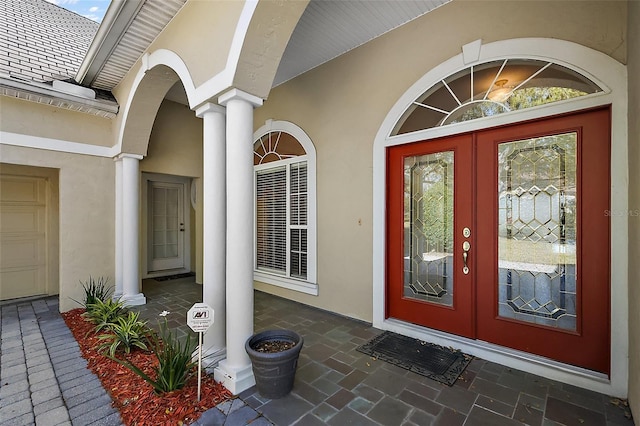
<point x="157" y="177"/>
<point x="609" y="74"/>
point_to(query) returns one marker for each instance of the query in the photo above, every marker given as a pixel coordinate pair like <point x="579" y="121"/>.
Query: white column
<point x="117" y="293"/>
<point x="214" y="227"/>
<point x="235" y="371"/>
<point x="131" y="230"/>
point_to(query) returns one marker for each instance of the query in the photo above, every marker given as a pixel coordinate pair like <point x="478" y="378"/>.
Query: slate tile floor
<point x="336" y="385"/>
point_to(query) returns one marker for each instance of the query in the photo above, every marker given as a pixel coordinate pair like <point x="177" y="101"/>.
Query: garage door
<point x="23" y="236"/>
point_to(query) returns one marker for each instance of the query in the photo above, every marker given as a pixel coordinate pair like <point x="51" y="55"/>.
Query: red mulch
<point x="132" y="396"/>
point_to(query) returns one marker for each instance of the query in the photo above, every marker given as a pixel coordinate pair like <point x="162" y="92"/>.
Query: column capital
<point x="209" y="107"/>
<point x="234" y="94"/>
<point x="125" y="155"/>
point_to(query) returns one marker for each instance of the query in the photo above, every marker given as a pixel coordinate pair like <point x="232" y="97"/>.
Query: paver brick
<point x="12" y="399"/>
<point x="69" y="390"/>
<point x="23" y="420"/>
<point x="41" y="375"/>
<point x="45" y="394"/>
<point x="54" y="417"/>
<point x="89" y="405"/>
<point x="10" y="388"/>
<point x="47" y="406"/>
<point x="16" y="409"/>
<point x="94" y="415"/>
<point x="96" y="392"/>
<point x="43" y="384"/>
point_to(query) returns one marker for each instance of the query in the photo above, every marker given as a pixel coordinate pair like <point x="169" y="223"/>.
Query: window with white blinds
<point x="281" y="219"/>
<point x="285" y="228"/>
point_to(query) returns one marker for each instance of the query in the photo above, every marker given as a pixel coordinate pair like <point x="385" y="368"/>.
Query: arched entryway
<point x="467" y="192"/>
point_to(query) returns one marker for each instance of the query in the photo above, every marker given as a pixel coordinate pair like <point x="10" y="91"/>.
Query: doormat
<point x="429" y="360"/>
<point x="175" y="277"/>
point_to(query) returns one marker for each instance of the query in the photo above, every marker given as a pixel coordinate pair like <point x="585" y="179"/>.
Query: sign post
<point x="200" y="318"/>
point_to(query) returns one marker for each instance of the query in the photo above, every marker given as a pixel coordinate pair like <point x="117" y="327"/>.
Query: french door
<point x="502" y="235"/>
<point x="166" y="223"/>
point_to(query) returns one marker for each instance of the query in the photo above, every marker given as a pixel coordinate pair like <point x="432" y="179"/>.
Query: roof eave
<point x="113" y="26"/>
<point x="43" y="93"/>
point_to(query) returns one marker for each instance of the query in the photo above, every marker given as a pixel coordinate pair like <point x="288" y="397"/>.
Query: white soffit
<point x="330" y="28"/>
<point x="150" y="20"/>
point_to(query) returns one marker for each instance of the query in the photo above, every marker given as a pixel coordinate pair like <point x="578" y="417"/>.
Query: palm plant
<point x="127" y="332"/>
<point x="175" y="363"/>
<point x="103" y="314"/>
<point x="95" y="289"/>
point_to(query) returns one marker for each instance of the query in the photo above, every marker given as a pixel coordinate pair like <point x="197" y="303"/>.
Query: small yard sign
<point x="200" y="317"/>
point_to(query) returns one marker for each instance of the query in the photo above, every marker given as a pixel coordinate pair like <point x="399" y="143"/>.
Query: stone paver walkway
<point x="44" y="379"/>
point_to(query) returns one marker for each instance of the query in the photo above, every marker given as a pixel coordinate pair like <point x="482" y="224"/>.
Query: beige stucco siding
<point x="30" y="118"/>
<point x="342" y="104"/>
<point x="175" y="148"/>
<point x="634" y="207"/>
<point x="86" y="212"/>
<point x="175" y="145"/>
<point x="201" y="35"/>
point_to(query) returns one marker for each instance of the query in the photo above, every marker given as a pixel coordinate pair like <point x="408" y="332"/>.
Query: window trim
<point x="310" y="285"/>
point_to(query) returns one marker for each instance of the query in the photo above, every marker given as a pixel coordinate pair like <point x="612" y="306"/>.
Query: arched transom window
<point x="284" y="164"/>
<point x="493" y="88"/>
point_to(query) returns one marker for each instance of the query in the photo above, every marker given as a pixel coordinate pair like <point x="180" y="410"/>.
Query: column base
<point x="235" y="379"/>
<point x="211" y="357"/>
<point x="134" y="299"/>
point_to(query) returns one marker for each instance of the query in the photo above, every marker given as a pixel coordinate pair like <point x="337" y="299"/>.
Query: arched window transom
<point x="493" y="88"/>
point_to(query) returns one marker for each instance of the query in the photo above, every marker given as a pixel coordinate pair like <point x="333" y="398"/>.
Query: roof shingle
<point x="40" y="41"/>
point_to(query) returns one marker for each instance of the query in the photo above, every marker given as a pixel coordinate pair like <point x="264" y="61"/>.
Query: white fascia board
<point x="14" y="88"/>
<point x="113" y="26"/>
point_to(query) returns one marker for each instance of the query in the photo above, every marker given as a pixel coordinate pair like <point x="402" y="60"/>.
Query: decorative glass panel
<point x="493" y="88"/>
<point x="165" y="222"/>
<point x="537" y="230"/>
<point x="428" y="216"/>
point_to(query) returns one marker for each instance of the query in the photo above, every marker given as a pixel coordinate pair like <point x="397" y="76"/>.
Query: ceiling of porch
<point x="326" y="30"/>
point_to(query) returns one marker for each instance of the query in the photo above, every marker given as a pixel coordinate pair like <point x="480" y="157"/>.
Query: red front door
<point x="502" y="235"/>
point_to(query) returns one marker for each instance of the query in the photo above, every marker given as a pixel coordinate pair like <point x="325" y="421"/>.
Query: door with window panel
<point x="501" y="235"/>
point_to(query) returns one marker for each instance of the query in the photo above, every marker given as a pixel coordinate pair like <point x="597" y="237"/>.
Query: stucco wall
<point x="86" y="214"/>
<point x="30" y="118"/>
<point x="341" y="106"/>
<point x="634" y="207"/>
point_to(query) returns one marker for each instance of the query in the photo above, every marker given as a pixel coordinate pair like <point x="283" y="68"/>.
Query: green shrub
<point x="175" y="363"/>
<point x="127" y="332"/>
<point x="104" y="314"/>
<point x="94" y="290"/>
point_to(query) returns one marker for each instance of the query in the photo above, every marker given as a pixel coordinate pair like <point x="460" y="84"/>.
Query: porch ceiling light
<point x="501" y="92"/>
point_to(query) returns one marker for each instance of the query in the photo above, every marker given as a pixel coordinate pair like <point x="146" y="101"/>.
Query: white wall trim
<point x="311" y="284"/>
<point x="36" y="142"/>
<point x="149" y="61"/>
<point x="612" y="77"/>
<point x="223" y="80"/>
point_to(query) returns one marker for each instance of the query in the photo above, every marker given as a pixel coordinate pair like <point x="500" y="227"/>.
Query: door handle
<point x="466" y="246"/>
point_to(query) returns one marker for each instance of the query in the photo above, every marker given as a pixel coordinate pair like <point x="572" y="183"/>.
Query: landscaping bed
<point x="134" y="397"/>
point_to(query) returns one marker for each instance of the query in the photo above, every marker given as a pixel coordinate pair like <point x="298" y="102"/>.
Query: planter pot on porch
<point x="274" y="371"/>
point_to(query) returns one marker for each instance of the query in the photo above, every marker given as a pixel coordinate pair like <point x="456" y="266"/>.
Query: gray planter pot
<point x="274" y="372"/>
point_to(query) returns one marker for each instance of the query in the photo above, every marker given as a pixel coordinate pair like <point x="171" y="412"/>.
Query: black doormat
<point x="175" y="277"/>
<point x="429" y="360"/>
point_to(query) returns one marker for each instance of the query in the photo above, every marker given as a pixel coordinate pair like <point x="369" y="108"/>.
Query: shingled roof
<point x="41" y="42"/>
